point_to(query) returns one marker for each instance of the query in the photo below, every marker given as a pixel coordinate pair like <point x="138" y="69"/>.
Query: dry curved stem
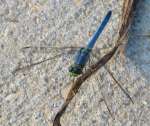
<point x="128" y="7"/>
<point x="78" y="82"/>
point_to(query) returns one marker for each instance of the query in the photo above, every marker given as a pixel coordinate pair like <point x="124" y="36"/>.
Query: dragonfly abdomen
<point x="99" y="30"/>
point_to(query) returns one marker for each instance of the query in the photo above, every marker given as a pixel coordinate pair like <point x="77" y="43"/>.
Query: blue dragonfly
<point x="82" y="55"/>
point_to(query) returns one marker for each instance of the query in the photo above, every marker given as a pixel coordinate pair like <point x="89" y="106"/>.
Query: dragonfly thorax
<point x="80" y="61"/>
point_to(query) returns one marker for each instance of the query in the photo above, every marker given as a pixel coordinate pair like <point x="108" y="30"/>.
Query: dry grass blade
<point x="119" y="84"/>
<point x="124" y="26"/>
<point x="104" y="99"/>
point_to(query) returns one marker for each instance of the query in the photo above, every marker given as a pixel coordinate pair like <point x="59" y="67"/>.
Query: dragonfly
<point x="82" y="54"/>
<point x="81" y="58"/>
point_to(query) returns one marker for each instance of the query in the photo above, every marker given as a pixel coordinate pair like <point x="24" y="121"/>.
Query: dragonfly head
<point x="75" y="70"/>
<point x="80" y="61"/>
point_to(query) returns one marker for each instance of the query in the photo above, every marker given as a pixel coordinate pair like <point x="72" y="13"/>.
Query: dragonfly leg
<point x="90" y="62"/>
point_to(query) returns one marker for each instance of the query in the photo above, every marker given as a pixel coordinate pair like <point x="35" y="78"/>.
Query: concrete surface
<point x="33" y="96"/>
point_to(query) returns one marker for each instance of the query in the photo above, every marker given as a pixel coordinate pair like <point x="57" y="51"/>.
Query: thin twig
<point x="119" y="84"/>
<point x="104" y="99"/>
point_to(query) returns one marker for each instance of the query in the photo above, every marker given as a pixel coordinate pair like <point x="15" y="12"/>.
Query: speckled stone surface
<point x="33" y="96"/>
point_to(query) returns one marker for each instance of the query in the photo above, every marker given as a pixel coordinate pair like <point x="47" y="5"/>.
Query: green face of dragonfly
<point x="80" y="61"/>
<point x="75" y="70"/>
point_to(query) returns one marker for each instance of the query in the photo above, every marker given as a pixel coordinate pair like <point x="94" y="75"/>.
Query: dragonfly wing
<point x="96" y="53"/>
<point x="90" y="61"/>
<point x="25" y="67"/>
<point x="92" y="58"/>
<point x="50" y="49"/>
<point x="54" y="52"/>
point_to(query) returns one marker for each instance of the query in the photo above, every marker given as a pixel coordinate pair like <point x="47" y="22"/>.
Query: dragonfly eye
<point x="75" y="70"/>
<point x="80" y="61"/>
